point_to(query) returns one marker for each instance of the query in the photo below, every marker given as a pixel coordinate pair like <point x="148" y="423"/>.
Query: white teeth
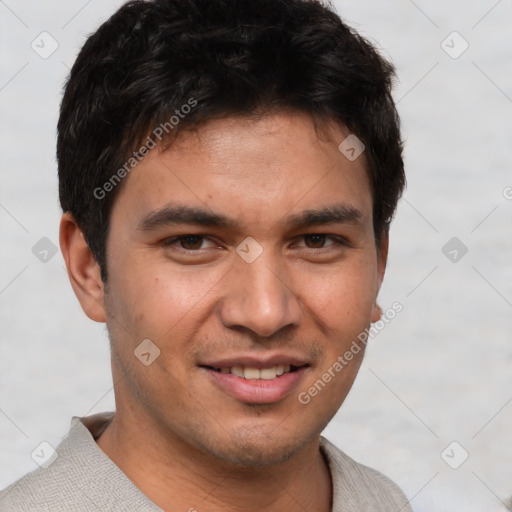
<point x="238" y="371"/>
<point x="250" y="373"/>
<point x="268" y="373"/>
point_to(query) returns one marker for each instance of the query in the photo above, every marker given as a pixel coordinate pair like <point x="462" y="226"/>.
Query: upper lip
<point x="253" y="361"/>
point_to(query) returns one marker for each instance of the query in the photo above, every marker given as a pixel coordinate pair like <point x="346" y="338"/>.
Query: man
<point x="228" y="172"/>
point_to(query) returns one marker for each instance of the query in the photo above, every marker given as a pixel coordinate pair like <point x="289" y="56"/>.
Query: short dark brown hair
<point x="175" y="64"/>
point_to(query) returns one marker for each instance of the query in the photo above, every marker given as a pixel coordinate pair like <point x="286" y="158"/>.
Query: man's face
<point x="183" y="274"/>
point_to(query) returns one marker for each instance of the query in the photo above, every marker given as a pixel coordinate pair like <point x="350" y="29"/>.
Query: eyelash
<point x="169" y="242"/>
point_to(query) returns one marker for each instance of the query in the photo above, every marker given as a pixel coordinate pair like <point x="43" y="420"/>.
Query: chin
<point x="256" y="450"/>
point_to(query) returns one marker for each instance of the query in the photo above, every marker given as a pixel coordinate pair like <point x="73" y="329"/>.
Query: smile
<point x="251" y="373"/>
<point x="252" y="385"/>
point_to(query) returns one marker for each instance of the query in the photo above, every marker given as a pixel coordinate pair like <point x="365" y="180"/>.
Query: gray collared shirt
<point x="83" y="479"/>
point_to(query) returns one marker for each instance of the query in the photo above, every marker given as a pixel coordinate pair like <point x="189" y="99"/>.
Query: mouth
<point x="256" y="384"/>
<point x="252" y="373"/>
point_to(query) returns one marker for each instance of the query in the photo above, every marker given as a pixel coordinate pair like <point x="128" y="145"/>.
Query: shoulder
<point x="52" y="486"/>
<point x="78" y="477"/>
<point x="359" y="487"/>
<point x="41" y="490"/>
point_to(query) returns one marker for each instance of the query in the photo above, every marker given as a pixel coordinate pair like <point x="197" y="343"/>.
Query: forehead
<point x="250" y="169"/>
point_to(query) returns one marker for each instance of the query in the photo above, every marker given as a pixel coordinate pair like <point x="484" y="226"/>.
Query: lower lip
<point x="257" y="391"/>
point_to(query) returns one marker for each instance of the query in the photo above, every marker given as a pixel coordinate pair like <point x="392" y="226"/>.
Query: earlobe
<point x="377" y="313"/>
<point x="83" y="271"/>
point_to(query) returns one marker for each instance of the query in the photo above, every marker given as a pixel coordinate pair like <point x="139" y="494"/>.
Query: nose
<point x="260" y="300"/>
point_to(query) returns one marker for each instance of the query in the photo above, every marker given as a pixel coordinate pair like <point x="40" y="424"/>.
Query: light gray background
<point x="440" y="372"/>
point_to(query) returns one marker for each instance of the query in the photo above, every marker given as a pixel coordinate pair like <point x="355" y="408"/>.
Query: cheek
<point x="157" y="299"/>
<point x="343" y="298"/>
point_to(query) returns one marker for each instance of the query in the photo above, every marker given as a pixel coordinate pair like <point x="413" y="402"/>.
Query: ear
<point x="382" y="258"/>
<point x="83" y="271"/>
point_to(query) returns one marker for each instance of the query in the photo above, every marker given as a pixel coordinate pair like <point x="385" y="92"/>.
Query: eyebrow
<point x="335" y="214"/>
<point x="182" y="214"/>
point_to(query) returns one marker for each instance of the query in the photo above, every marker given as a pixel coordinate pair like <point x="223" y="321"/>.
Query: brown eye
<point x="191" y="242"/>
<point x="315" y="241"/>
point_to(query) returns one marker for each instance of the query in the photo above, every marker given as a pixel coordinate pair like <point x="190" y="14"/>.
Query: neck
<point x="176" y="476"/>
